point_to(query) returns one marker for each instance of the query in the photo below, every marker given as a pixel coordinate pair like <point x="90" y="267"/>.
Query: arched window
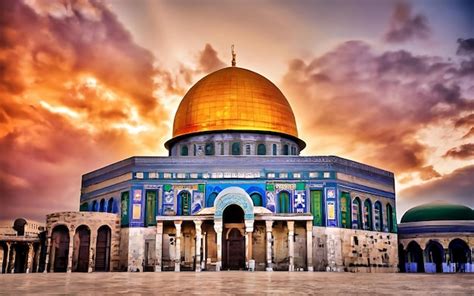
<point x="390" y="226"/>
<point x="84" y="207"/>
<point x="236" y="148"/>
<point x="285" y="149"/>
<point x="368" y="221"/>
<point x="283" y="202"/>
<point x="257" y="199"/>
<point x="356" y="214"/>
<point x="184" y="203"/>
<point x="293" y="150"/>
<point x="150" y="208"/>
<point x="184" y="150"/>
<point x="95" y="207"/>
<point x="247" y="149"/>
<point x="378" y="216"/>
<point x="102" y="205"/>
<point x="209" y="149"/>
<point x="261" y="149"/>
<point x="345" y="206"/>
<point x="210" y="199"/>
<point x="316" y="199"/>
<point x="274" y="149"/>
<point x="110" y="205"/>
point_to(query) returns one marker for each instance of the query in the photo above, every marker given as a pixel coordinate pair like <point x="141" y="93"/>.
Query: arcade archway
<point x="234" y="238"/>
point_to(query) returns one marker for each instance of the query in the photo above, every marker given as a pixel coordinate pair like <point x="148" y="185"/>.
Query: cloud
<point x="465" y="151"/>
<point x="76" y="93"/>
<point x="368" y="105"/>
<point x="209" y="61"/>
<point x="465" y="47"/>
<point x="405" y="26"/>
<point x="456" y="188"/>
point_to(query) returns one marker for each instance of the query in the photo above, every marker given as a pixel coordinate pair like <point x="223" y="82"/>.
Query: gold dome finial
<point x="233" y="57"/>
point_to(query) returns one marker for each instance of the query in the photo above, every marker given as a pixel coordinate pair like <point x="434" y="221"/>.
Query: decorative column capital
<point x="291" y="225"/>
<point x="269" y="225"/>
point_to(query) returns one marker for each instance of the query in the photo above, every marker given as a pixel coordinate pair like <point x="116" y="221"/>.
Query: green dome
<point x="438" y="211"/>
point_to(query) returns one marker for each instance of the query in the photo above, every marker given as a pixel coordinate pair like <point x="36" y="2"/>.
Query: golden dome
<point x="234" y="99"/>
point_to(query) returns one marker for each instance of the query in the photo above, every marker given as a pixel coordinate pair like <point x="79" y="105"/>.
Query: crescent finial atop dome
<point x="233" y="56"/>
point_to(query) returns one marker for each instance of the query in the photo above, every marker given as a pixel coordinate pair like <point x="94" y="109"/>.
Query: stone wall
<point x="337" y="249"/>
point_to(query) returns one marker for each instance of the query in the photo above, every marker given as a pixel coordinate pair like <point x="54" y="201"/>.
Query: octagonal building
<point x="233" y="194"/>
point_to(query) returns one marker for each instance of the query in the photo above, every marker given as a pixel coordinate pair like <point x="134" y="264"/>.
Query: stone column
<point x="291" y="245"/>
<point x="8" y="257"/>
<point x="309" y="245"/>
<point x="12" y="261"/>
<point x="48" y="254"/>
<point x="218" y="229"/>
<point x="269" y="226"/>
<point x="204" y="248"/>
<point x="29" y="262"/>
<point x="38" y="257"/>
<point x="197" y="225"/>
<point x="158" y="246"/>
<point x="70" y="252"/>
<point x="248" y="242"/>
<point x="177" y="260"/>
<point x="92" y="248"/>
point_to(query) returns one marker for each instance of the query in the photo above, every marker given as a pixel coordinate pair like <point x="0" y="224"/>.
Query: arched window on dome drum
<point x="184" y="150"/>
<point x="236" y="148"/>
<point x="283" y="202"/>
<point x="257" y="199"/>
<point x="210" y="199"/>
<point x="274" y="149"/>
<point x="261" y="149"/>
<point x="356" y="214"/>
<point x="378" y="214"/>
<point x="184" y="203"/>
<point x="285" y="149"/>
<point x="390" y="218"/>
<point x="293" y="150"/>
<point x="368" y="220"/>
<point x="209" y="149"/>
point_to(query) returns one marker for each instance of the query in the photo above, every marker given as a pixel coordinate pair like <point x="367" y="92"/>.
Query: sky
<point x="87" y="83"/>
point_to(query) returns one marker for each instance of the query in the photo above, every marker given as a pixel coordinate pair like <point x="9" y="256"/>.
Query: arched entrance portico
<point x="234" y="238"/>
<point x="234" y="215"/>
<point x="434" y="257"/>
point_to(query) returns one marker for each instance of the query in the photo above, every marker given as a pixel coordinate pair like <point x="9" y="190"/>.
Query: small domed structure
<point x="437" y="212"/>
<point x="436" y="237"/>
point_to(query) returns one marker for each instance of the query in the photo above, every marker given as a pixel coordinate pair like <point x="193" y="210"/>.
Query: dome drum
<point x="234" y="143"/>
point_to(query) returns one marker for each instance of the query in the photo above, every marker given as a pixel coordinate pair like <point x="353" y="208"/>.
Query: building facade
<point x="233" y="194"/>
<point x="437" y="238"/>
<point x="22" y="246"/>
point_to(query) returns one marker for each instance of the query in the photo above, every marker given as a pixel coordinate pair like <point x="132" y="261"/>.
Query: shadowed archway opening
<point x="81" y="249"/>
<point x="102" y="259"/>
<point x="59" y="248"/>
<point x="415" y="257"/>
<point x="233" y="238"/>
<point x="434" y="254"/>
<point x="460" y="254"/>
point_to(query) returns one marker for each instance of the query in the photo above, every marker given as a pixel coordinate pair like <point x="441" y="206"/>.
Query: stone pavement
<point x="236" y="283"/>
